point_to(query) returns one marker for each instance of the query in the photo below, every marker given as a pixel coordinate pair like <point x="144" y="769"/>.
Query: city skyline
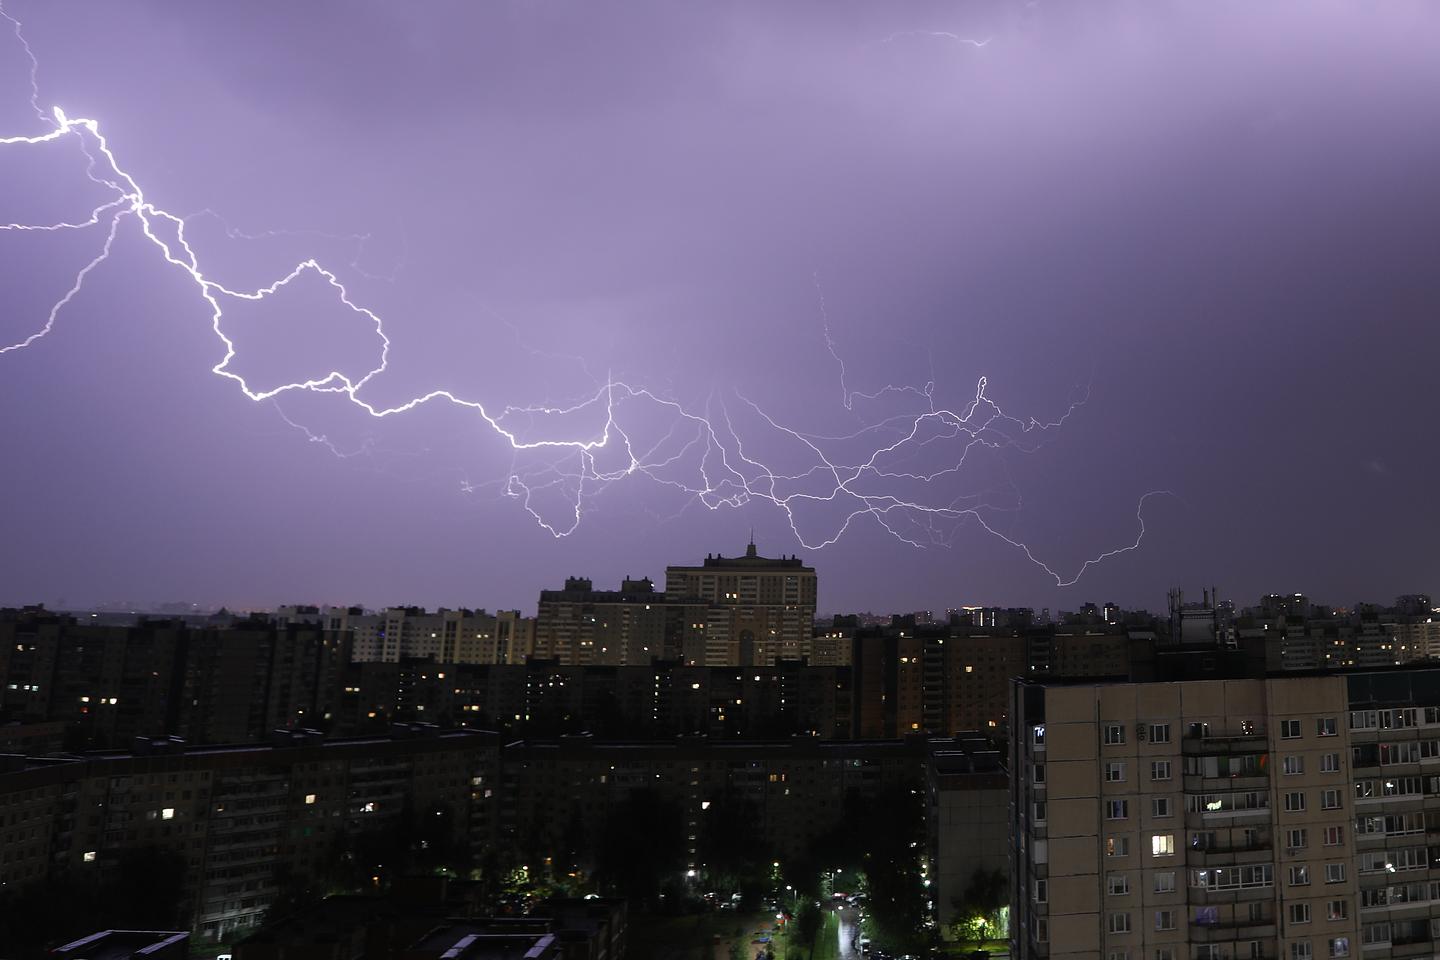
<point x="1088" y="273"/>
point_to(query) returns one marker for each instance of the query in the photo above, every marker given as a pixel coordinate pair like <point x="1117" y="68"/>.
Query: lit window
<point x="89" y="856"/>
<point x="309" y="798"/>
<point x="1162" y="845"/>
<point x="168" y="813"/>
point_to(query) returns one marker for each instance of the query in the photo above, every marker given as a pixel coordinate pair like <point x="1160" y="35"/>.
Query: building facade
<point x="762" y="609"/>
<point x="240" y="819"/>
<point x="1283" y="818"/>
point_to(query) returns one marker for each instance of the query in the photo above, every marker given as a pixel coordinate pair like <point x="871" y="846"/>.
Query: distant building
<point x="445" y="636"/>
<point x="730" y="611"/>
<point x="762" y="609"/>
<point x="634" y="625"/>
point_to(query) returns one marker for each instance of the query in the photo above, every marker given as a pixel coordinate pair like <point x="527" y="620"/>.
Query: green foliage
<point x="808" y="923"/>
<point x="978" y="906"/>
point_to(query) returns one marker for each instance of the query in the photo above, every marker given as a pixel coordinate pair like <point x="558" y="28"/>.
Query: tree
<point x="893" y="835"/>
<point x="729" y="844"/>
<point x="977" y="905"/>
<point x="643" y="845"/>
<point x="807" y="925"/>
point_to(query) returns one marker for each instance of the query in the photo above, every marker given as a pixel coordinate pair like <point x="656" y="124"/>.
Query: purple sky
<point x="1220" y="219"/>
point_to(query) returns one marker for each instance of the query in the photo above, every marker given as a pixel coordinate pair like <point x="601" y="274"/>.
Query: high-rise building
<point x="627" y="627"/>
<point x="445" y="636"/>
<point x="1282" y="817"/>
<point x="762" y="609"/>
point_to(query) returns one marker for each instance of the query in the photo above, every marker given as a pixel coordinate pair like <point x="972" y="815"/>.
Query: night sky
<point x="1205" y="236"/>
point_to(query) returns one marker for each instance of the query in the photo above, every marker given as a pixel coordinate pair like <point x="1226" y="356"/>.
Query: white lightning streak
<point x="945" y="35"/>
<point x="702" y="454"/>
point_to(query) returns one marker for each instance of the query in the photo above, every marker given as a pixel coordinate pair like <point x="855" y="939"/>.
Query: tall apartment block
<point x="1284" y="818"/>
<point x="632" y="626"/>
<point x="729" y="611"/>
<point x="445" y="636"/>
<point x="762" y="608"/>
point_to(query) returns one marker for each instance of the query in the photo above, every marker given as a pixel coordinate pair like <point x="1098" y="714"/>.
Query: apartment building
<point x="657" y="699"/>
<point x="631" y="626"/>
<point x="762" y="609"/>
<point x="796" y="788"/>
<point x="242" y="818"/>
<point x="967" y="681"/>
<point x="445" y="636"/>
<point x="1276" y="818"/>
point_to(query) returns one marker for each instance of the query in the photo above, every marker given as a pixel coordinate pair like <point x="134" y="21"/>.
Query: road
<point x="849" y="932"/>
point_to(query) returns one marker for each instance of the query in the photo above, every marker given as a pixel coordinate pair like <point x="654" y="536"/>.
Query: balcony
<point x="1213" y="744"/>
<point x="1195" y="783"/>
<point x="1207" y="897"/>
<point x="1227" y="930"/>
<point x="1233" y="854"/>
<point x="1214" y="819"/>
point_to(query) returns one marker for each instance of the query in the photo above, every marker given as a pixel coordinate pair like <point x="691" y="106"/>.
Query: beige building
<point x="1416" y="639"/>
<point x="632" y="626"/>
<point x="1252" y="819"/>
<point x="445" y="636"/>
<point x="762" y="609"/>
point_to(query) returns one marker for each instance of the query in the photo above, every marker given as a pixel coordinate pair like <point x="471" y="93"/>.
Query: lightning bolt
<point x="944" y="35"/>
<point x="705" y="454"/>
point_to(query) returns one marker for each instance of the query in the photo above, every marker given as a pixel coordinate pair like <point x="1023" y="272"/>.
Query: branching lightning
<point x="705" y="454"/>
